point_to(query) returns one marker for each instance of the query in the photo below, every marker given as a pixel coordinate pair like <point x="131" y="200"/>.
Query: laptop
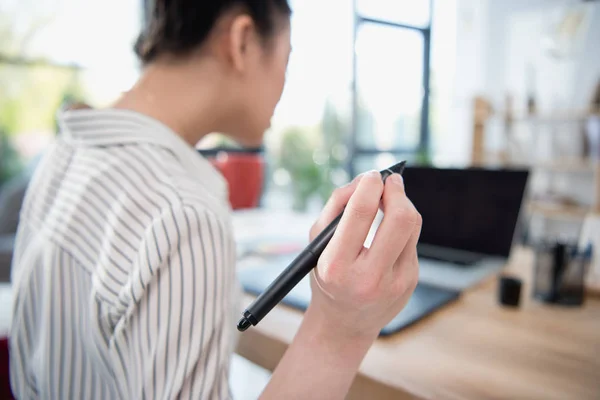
<point x="470" y="217"/>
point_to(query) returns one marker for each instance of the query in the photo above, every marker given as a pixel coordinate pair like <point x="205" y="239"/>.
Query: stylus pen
<point x="298" y="269"/>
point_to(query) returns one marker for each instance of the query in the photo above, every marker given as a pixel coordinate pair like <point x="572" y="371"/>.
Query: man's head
<point x="246" y="43"/>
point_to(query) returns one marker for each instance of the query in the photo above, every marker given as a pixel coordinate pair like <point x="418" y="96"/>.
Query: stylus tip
<point x="243" y="325"/>
<point x="398" y="168"/>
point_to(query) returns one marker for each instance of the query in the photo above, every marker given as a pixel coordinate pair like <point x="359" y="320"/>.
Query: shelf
<point x="567" y="165"/>
<point x="576" y="165"/>
<point x="558" y="212"/>
<point x="565" y="116"/>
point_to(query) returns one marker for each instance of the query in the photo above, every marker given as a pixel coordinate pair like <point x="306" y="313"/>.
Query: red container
<point x="244" y="173"/>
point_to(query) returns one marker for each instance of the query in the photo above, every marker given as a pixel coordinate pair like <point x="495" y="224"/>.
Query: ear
<point x="241" y="38"/>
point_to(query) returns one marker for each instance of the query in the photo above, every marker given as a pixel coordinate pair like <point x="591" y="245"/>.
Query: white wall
<point x="496" y="42"/>
<point x="453" y="142"/>
<point x="500" y="49"/>
<point x="517" y="31"/>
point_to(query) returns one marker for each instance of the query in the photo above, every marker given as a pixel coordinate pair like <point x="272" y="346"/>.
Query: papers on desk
<point x="269" y="247"/>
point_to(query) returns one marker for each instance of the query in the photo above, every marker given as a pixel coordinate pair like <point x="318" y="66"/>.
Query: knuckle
<point x="400" y="286"/>
<point x="405" y="284"/>
<point x="407" y="281"/>
<point x="419" y="218"/>
<point x="413" y="280"/>
<point x="337" y="196"/>
<point x="362" y="210"/>
<point x="404" y="216"/>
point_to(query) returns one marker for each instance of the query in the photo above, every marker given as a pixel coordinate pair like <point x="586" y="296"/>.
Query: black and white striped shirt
<point x="124" y="267"/>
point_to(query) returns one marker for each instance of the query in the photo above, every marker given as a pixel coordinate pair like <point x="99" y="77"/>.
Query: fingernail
<point x="372" y="174"/>
<point x="397" y="179"/>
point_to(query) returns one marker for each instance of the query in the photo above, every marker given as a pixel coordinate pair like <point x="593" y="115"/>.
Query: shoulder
<point x="150" y="181"/>
<point x="160" y="168"/>
<point x="187" y="219"/>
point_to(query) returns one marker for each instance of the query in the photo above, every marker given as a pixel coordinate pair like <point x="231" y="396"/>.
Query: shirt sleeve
<point x="173" y="342"/>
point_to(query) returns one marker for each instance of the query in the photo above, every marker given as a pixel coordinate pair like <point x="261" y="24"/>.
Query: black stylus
<point x="298" y="269"/>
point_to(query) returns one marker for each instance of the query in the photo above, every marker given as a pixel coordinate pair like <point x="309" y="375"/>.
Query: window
<point x="408" y="12"/>
<point x="389" y="77"/>
<point x="315" y="143"/>
<point x="336" y="120"/>
<point x="325" y="128"/>
<point x="307" y="146"/>
<point x="391" y="87"/>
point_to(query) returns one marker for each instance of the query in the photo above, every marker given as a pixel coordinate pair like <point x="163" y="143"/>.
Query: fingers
<point x="350" y="235"/>
<point x="406" y="268"/>
<point x="400" y="221"/>
<point x="410" y="252"/>
<point x="335" y="205"/>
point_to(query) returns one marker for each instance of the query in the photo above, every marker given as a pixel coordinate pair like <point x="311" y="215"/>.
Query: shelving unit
<point x="558" y="212"/>
<point x="575" y="165"/>
<point x="540" y="211"/>
<point x="582" y="166"/>
<point x="560" y="116"/>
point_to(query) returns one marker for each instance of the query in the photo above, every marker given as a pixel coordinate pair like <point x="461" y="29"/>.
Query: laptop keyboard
<point x="462" y="260"/>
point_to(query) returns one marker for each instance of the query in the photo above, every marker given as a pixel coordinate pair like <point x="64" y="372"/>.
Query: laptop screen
<point x="467" y="209"/>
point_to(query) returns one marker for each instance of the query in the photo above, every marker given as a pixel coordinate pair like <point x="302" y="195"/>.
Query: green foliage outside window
<point x="314" y="157"/>
<point x="10" y="163"/>
<point x="31" y="92"/>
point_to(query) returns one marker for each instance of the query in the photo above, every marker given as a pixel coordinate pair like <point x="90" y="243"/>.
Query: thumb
<point x="334" y="206"/>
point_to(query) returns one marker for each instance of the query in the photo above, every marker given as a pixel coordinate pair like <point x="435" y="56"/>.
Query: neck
<point x="183" y="97"/>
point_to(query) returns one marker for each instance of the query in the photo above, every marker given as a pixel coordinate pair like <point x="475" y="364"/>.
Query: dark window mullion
<point x="353" y="149"/>
<point x="362" y="20"/>
<point x="425" y="131"/>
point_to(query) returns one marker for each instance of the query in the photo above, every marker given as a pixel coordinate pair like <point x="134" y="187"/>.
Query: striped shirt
<point x="124" y="267"/>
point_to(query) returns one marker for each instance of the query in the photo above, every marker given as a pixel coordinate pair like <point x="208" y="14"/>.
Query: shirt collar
<point x="117" y="127"/>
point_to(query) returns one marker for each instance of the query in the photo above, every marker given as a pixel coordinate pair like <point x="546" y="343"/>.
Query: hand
<point x="356" y="290"/>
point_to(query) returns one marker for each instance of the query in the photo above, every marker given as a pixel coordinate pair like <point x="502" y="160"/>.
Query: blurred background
<point x="409" y="90"/>
<point x="500" y="84"/>
<point x="444" y="83"/>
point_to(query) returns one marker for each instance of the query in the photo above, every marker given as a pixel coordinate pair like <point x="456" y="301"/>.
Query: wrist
<point x="330" y="324"/>
<point x="334" y="338"/>
<point x="321" y="362"/>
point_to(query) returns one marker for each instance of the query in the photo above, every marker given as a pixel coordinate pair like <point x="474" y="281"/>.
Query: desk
<point x="472" y="349"/>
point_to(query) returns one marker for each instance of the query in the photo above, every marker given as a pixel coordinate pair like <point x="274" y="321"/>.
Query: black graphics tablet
<point x="256" y="274"/>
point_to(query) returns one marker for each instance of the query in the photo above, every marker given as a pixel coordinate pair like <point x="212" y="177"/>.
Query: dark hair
<point x="179" y="26"/>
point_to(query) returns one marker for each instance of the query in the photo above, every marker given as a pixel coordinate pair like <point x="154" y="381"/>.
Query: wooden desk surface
<point x="472" y="349"/>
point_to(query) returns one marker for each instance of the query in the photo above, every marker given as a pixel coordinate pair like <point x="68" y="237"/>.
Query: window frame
<point x="354" y="150"/>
